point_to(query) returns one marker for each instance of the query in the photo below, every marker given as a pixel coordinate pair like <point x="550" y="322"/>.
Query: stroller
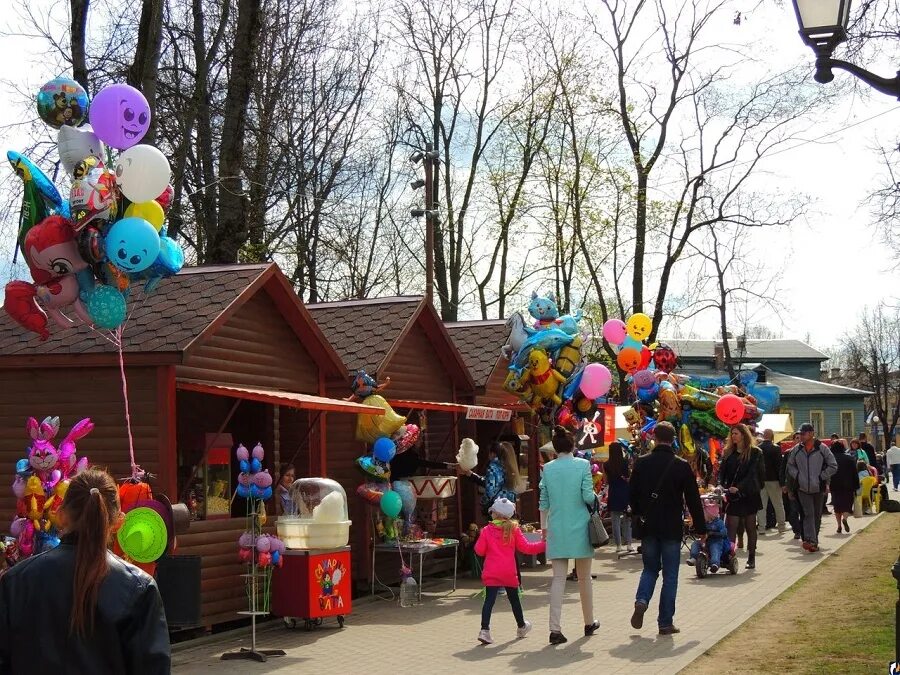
<point x="714" y="503"/>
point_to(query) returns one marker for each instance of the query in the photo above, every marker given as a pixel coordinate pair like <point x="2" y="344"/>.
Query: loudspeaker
<point x="178" y="578"/>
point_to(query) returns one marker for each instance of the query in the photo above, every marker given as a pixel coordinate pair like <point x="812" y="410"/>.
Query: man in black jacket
<point x="661" y="483"/>
<point x="772" y="487"/>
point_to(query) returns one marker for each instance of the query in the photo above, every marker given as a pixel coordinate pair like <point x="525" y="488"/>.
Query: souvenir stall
<point x="216" y="356"/>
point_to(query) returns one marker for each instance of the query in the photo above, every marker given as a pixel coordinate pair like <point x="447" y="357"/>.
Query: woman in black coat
<point x="844" y="485"/>
<point x="741" y="476"/>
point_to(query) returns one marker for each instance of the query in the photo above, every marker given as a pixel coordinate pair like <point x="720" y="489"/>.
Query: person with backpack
<point x="810" y="465"/>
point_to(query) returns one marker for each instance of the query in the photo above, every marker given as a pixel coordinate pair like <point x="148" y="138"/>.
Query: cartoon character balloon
<point x="74" y="144"/>
<point x="121" y="116"/>
<point x="639" y="326"/>
<point x="142" y="173"/>
<point x="665" y="358"/>
<point x="62" y="102"/>
<point x="132" y="244"/>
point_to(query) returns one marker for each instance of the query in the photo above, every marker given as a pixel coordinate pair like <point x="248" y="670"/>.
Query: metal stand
<point x="253" y="653"/>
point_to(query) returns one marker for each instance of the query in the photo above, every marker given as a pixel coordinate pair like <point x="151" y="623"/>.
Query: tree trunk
<point x="232" y="232"/>
<point x="78" y="30"/>
<point x="143" y="72"/>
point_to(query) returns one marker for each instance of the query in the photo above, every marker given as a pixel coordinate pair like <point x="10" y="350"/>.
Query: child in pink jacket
<point x="498" y="543"/>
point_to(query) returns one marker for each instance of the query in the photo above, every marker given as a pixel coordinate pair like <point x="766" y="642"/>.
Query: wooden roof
<point x="367" y="333"/>
<point x="185" y="311"/>
<point x="479" y="343"/>
<point x="756" y="350"/>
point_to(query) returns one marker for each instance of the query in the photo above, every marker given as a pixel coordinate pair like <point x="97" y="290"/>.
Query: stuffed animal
<point x="467" y="457"/>
<point x="543" y="379"/>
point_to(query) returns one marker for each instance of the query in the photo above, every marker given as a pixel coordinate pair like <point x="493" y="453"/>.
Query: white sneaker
<point x="691" y="562"/>
<point x="618" y="548"/>
<point x="522" y="631"/>
<point x="630" y="549"/>
<point x="484" y="637"/>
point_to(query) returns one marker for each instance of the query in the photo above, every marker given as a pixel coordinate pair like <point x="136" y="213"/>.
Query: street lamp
<point x="823" y="26"/>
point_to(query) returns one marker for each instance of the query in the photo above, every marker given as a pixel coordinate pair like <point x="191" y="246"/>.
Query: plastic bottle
<point x="409" y="592"/>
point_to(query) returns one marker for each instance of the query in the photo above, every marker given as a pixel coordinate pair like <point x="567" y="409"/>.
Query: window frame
<point x="852" y="431"/>
<point x="820" y="431"/>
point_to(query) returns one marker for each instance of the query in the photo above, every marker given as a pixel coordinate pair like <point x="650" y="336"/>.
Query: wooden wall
<point x="416" y="371"/>
<point x="254" y="347"/>
<point x="494" y="394"/>
<point x="72" y="394"/>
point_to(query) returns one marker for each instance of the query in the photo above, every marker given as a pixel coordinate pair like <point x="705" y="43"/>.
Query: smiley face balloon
<point x="639" y="326"/>
<point x="132" y="244"/>
<point x="120" y="116"/>
<point x="629" y="360"/>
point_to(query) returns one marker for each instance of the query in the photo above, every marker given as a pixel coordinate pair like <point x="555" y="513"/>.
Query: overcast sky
<point x="832" y="261"/>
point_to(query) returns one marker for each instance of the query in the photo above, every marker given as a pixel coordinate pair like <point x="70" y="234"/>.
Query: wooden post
<point x="430" y="205"/>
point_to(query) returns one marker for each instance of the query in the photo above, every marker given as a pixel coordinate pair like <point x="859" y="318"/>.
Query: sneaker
<point x="690" y="561"/>
<point x="630" y="549"/>
<point x="522" y="631"/>
<point x="557" y="638"/>
<point x="572" y="577"/>
<point x="807" y="546"/>
<point x="751" y="564"/>
<point x="591" y="629"/>
<point x="846" y="525"/>
<point x="484" y="637"/>
<point x="669" y="630"/>
<point x="713" y="568"/>
<point x="782" y="529"/>
<point x="813" y="548"/>
<point x="618" y="548"/>
<point x="637" y="619"/>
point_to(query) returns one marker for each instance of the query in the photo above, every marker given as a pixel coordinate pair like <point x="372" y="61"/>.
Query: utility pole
<point x="430" y="211"/>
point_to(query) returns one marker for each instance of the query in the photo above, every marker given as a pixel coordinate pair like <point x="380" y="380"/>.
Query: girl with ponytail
<point x="90" y="611"/>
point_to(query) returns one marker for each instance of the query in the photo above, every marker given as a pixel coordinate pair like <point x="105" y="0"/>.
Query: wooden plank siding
<point x="255" y="347"/>
<point x="72" y="394"/>
<point x="831" y="406"/>
<point x="416" y="371"/>
<point x="494" y="394"/>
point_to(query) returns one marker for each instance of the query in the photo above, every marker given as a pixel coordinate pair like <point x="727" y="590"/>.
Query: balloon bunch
<point x="41" y="482"/>
<point x="269" y="550"/>
<point x="86" y="252"/>
<point x="253" y="481"/>
<point x="389" y="434"/>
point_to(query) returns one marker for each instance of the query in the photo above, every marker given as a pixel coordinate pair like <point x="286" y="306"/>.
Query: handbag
<point x="596" y="532"/>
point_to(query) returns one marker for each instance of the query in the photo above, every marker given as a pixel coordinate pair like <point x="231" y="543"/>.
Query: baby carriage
<point x="714" y="504"/>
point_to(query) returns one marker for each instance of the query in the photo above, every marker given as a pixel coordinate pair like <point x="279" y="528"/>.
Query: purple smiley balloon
<point x="120" y="115"/>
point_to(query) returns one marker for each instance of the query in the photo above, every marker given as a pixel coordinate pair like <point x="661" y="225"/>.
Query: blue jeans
<point x="664" y="554"/>
<point x="895" y="475"/>
<point x="714" y="546"/>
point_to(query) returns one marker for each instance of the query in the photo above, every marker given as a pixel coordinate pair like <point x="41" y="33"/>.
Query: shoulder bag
<point x="596" y="532"/>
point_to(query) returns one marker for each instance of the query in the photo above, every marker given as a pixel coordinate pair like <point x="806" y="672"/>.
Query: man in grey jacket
<point x="809" y="467"/>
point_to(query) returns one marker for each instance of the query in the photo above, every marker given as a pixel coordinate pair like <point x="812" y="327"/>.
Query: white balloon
<point x="142" y="173"/>
<point x="76" y="143"/>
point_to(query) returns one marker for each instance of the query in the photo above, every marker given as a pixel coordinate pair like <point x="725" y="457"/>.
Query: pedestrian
<point x="498" y="542"/>
<point x="501" y="477"/>
<point x="742" y="477"/>
<point x="856" y="452"/>
<point x="284" y="504"/>
<point x="810" y="465"/>
<point x="78" y="608"/>
<point x="844" y="484"/>
<point x="892" y="462"/>
<point x="716" y="538"/>
<point x="793" y="510"/>
<point x="566" y="492"/>
<point x="869" y="449"/>
<point x="771" y="492"/>
<point x="660" y="485"/>
<point x="616" y="471"/>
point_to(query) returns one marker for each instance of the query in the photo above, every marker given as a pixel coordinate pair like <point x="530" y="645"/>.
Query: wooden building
<point x="218" y="355"/>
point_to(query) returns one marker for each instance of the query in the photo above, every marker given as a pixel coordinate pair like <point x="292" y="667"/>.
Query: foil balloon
<point x="62" y="102"/>
<point x="665" y="358"/>
<point x="75" y="144"/>
<point x="40" y="197"/>
<point x="93" y="194"/>
<point x="370" y="428"/>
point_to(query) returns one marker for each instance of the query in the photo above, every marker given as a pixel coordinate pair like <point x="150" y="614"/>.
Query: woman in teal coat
<point x="566" y="492"/>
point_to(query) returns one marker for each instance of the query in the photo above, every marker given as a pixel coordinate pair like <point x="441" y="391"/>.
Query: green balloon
<point x="391" y="504"/>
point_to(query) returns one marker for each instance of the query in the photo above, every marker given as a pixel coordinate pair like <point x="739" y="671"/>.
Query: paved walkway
<point x="438" y="636"/>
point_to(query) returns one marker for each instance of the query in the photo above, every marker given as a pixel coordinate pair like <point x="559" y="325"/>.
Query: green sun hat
<point x="143" y="536"/>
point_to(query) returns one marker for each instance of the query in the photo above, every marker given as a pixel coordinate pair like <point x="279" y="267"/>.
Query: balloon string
<point x="136" y="472"/>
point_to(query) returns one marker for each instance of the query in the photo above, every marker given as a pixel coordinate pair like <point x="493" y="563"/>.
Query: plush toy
<point x="59" y="273"/>
<point x="543" y="379"/>
<point x="467" y="457"/>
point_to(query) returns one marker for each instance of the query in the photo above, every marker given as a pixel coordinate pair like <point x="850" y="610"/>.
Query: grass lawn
<point x="837" y="619"/>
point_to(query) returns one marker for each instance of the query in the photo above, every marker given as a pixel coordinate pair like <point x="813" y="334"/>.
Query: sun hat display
<point x="143" y="536"/>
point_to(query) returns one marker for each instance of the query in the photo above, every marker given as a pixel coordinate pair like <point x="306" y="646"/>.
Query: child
<point x="498" y="542"/>
<point x="716" y="537"/>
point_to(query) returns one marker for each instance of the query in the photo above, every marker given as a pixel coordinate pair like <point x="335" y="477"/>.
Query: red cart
<point x="312" y="585"/>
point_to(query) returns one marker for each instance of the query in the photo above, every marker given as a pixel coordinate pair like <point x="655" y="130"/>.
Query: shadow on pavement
<point x="645" y="650"/>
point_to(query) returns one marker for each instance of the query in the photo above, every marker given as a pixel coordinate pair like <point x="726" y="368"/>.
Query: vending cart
<point x="313" y="582"/>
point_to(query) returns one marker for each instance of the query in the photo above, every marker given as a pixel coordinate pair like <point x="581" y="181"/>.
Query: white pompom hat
<point x="503" y="507"/>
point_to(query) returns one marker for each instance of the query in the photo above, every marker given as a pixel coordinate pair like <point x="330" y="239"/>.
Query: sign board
<point x="477" y="412"/>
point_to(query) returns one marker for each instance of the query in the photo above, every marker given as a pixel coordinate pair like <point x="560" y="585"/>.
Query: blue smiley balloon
<point x="132" y="245"/>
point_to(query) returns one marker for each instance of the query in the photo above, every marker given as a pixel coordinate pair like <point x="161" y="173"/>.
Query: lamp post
<point x="823" y="26"/>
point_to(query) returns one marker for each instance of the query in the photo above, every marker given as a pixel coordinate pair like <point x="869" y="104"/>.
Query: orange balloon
<point x="629" y="360"/>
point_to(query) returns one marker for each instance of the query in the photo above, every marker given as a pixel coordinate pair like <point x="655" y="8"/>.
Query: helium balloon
<point x="142" y="173"/>
<point x="150" y="211"/>
<point x="40" y="199"/>
<point x="648" y="394"/>
<point x="62" y="102"/>
<point x="730" y="409"/>
<point x="74" y="144"/>
<point x="165" y="199"/>
<point x="630" y="343"/>
<point x="391" y="504"/>
<point x="629" y="360"/>
<point x="93" y="195"/>
<point x="595" y="381"/>
<point x="120" y="116"/>
<point x="643" y="379"/>
<point x="664" y="357"/>
<point x="639" y="326"/>
<point x="106" y="307"/>
<point x="646" y="356"/>
<point x="384" y="449"/>
<point x="614" y="331"/>
<point x="132" y="244"/>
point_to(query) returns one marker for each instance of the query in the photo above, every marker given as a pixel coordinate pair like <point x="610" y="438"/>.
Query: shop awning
<point x="472" y="412"/>
<point x="289" y="399"/>
<point x="780" y="424"/>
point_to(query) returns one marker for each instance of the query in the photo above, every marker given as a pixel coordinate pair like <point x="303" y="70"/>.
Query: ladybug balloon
<point x="664" y="357"/>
